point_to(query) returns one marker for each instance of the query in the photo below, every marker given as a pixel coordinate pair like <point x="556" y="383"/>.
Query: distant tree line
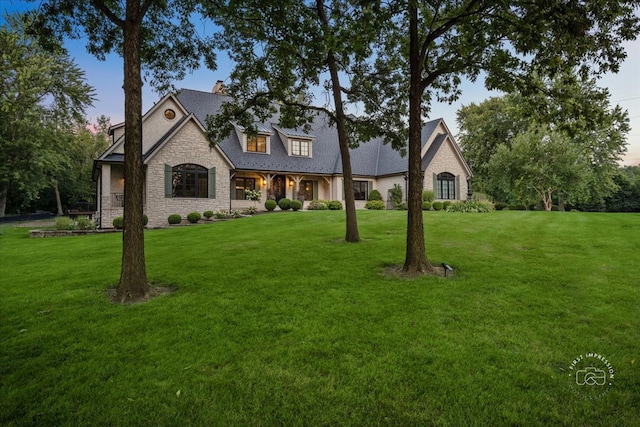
<point x="555" y="143"/>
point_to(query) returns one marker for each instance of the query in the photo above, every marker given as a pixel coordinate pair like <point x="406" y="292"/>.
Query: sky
<point x="107" y="77"/>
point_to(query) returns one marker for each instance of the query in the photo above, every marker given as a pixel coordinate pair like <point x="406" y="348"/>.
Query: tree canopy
<point x="578" y="109"/>
<point x="44" y="97"/>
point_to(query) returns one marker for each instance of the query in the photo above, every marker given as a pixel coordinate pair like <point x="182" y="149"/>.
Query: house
<point x="184" y="174"/>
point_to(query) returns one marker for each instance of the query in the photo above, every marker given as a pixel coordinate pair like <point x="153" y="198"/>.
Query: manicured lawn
<point x="276" y="321"/>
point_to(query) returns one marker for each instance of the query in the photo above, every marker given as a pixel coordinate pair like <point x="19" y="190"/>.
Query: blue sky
<point x="106" y="77"/>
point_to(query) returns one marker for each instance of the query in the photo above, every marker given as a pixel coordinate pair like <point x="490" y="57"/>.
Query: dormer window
<point x="257" y="144"/>
<point x="298" y="143"/>
<point x="300" y="148"/>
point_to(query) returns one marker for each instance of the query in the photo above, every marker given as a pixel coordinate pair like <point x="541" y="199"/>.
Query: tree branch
<point x="102" y="7"/>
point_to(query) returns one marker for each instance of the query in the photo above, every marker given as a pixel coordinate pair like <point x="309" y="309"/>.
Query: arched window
<point x="189" y="180"/>
<point x="446" y="186"/>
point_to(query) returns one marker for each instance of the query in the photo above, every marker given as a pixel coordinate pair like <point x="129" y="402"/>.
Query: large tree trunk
<point x="133" y="277"/>
<point x="352" y="235"/>
<point x="416" y="257"/>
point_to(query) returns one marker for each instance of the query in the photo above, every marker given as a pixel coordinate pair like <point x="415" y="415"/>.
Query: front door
<point x="279" y="187"/>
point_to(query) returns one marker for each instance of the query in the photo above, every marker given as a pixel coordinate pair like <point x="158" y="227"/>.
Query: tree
<point x="483" y="128"/>
<point x="627" y="197"/>
<point x="442" y="42"/>
<point x="540" y="164"/>
<point x="573" y="106"/>
<point x="43" y="95"/>
<point x="158" y="37"/>
<point x="281" y="61"/>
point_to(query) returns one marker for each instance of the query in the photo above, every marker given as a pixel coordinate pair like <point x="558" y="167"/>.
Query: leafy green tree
<point x="43" y="95"/>
<point x="574" y="106"/>
<point x="627" y="196"/>
<point x="280" y="63"/>
<point x="428" y="47"/>
<point x="158" y="37"/>
<point x="483" y="128"/>
<point x="539" y="164"/>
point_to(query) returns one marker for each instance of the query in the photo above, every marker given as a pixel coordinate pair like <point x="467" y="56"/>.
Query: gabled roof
<point x="371" y="158"/>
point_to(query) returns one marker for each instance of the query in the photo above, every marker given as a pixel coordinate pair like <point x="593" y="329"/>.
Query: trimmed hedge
<point x="317" y="205"/>
<point x="207" y="214"/>
<point x="284" y="204"/>
<point x="437" y="205"/>
<point x="335" y="205"/>
<point x="296" y="205"/>
<point x="374" y="195"/>
<point x="118" y="222"/>
<point x="377" y="205"/>
<point x="174" y="219"/>
<point x="426" y="206"/>
<point x="194" y="217"/>
<point x="270" y="205"/>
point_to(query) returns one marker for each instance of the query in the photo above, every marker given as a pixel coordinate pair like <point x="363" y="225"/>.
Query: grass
<point x="277" y="321"/>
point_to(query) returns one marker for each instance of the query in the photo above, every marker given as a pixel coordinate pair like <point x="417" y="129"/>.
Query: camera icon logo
<point x="591" y="376"/>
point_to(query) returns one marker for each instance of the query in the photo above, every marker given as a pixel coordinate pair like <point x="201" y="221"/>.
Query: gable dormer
<point x="297" y="143"/>
<point x="259" y="143"/>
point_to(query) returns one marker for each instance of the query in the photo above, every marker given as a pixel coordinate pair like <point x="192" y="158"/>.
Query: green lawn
<point x="277" y="321"/>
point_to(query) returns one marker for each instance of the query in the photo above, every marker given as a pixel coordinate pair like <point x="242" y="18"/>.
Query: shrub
<point x="220" y="215"/>
<point x="118" y="222"/>
<point x="437" y="205"/>
<point x="296" y="205"/>
<point x="174" y="219"/>
<point x="471" y="206"/>
<point x="377" y="205"/>
<point x="194" y="217"/>
<point x="284" y="204"/>
<point x="236" y="213"/>
<point x="402" y="206"/>
<point x="253" y="195"/>
<point x="426" y="206"/>
<point x="64" y="223"/>
<point x="270" y="205"/>
<point x="251" y="210"/>
<point x="517" y="207"/>
<point x="84" y="223"/>
<point x="555" y="207"/>
<point x="480" y="197"/>
<point x="446" y="204"/>
<point x="336" y="205"/>
<point x="500" y="205"/>
<point x="207" y="214"/>
<point x="374" y="195"/>
<point x="395" y="195"/>
<point x="428" y="196"/>
<point x="317" y="205"/>
<point x="145" y="219"/>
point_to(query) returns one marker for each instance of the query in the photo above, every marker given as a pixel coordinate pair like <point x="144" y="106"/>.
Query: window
<point x="257" y="144"/>
<point x="189" y="180"/>
<point x="306" y="190"/>
<point x="360" y="189"/>
<point x="243" y="184"/>
<point x="300" y="148"/>
<point x="446" y="186"/>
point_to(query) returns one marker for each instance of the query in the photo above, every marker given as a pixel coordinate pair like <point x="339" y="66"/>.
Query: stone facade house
<point x="184" y="174"/>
